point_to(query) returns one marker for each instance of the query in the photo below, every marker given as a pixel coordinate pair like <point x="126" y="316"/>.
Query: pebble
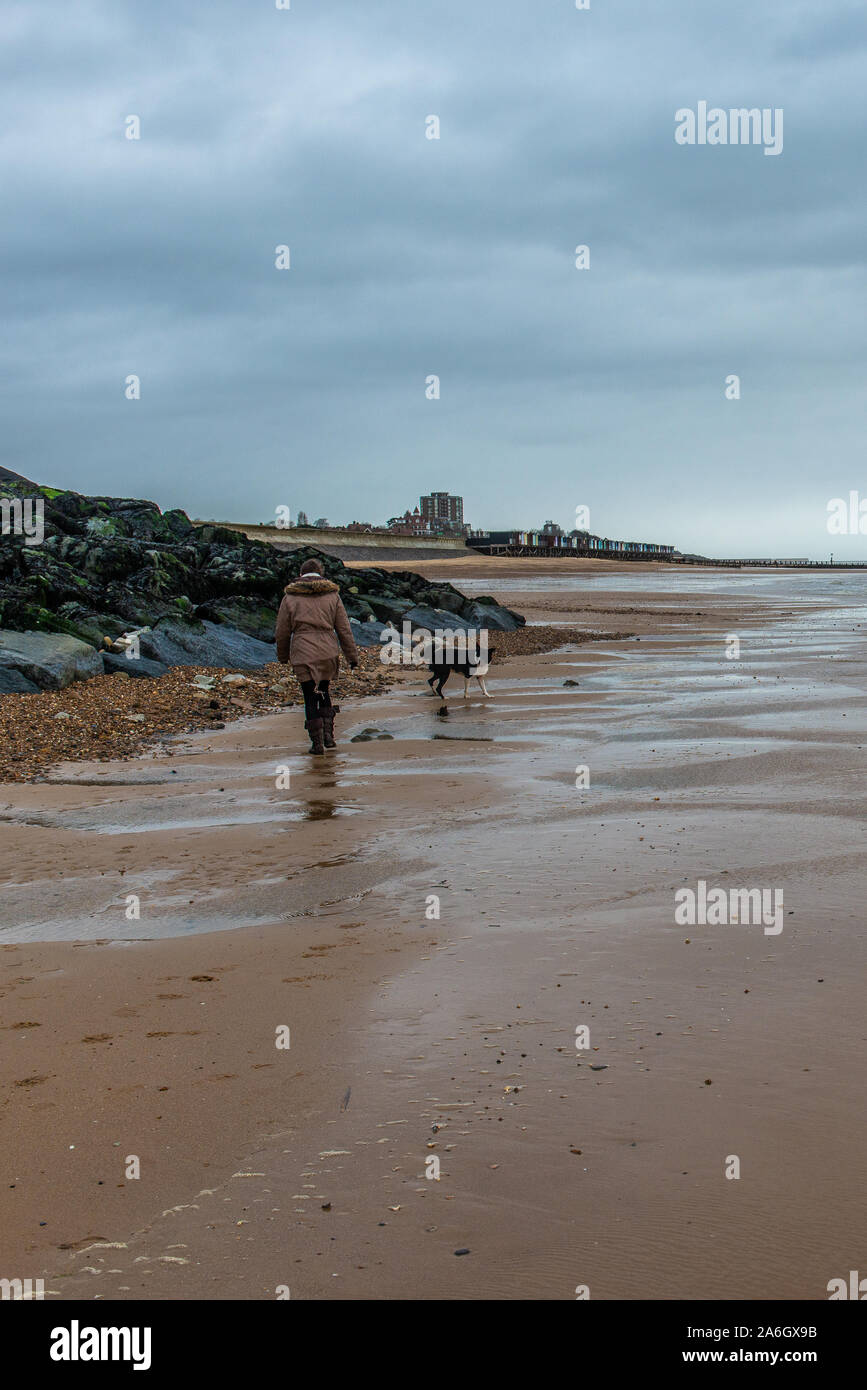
<point x="96" y="720"/>
<point x="95" y="727"/>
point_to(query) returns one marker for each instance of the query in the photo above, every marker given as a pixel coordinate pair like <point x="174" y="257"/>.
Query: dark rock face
<point x="12" y="682"/>
<point x="110" y="564"/>
<point x="49" y="660"/>
<point x="432" y="619"/>
<point x="204" y="644"/>
<point x="140" y="668"/>
<point x="493" y="616"/>
<point x="366" y="634"/>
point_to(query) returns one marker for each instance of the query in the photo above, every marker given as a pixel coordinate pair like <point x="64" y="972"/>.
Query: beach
<point x="286" y="1001"/>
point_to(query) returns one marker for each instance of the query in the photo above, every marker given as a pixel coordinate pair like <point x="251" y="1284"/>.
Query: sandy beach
<point x="432" y="916"/>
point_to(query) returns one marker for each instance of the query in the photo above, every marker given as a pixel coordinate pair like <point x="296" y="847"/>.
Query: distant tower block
<point x="443" y="511"/>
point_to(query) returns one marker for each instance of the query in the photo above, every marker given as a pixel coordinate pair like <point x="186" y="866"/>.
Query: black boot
<point x="314" y="729"/>
<point x="328" y="714"/>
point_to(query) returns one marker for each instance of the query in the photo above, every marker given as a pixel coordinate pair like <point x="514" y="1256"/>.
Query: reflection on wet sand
<point x="435" y="947"/>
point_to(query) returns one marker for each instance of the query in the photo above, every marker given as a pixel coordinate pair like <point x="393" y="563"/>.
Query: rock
<point x="432" y="619"/>
<point x="386" y="610"/>
<point x="253" y="616"/>
<point x="51" y="660"/>
<point x="115" y="664"/>
<point x="12" y="682"/>
<point x="111" y="565"/>
<point x="570" y="682"/>
<point x="495" y="617"/>
<point x="205" y="644"/>
<point x="366" y="634"/>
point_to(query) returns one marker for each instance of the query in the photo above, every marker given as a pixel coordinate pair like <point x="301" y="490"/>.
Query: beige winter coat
<point x="310" y="622"/>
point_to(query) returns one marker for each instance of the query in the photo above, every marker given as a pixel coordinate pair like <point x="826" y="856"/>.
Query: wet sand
<point x="414" y="1038"/>
<point x="605" y="594"/>
<point x="505" y="567"/>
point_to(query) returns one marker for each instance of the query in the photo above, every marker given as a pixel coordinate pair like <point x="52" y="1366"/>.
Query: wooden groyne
<point x="770" y="564"/>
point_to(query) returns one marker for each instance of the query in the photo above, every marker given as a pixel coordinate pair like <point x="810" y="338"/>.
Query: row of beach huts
<point x="579" y="543"/>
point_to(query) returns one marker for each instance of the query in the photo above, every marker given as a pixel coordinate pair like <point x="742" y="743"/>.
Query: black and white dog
<point x="469" y="669"/>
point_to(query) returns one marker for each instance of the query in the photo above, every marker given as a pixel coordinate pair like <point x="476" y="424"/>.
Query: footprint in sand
<point x="75" y="1244"/>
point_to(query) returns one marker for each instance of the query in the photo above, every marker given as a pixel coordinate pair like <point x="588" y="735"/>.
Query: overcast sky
<point x="455" y="257"/>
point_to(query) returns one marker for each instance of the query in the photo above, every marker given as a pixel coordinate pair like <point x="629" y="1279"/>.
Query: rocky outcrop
<point x="141" y="667"/>
<point x="493" y="616"/>
<point x="366" y="634"/>
<point x="13" y="683"/>
<point x="432" y="619"/>
<point x="48" y="660"/>
<point x="204" y="644"/>
<point x="197" y="595"/>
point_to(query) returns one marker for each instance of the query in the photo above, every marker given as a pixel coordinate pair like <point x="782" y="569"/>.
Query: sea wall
<point x="334" y="539"/>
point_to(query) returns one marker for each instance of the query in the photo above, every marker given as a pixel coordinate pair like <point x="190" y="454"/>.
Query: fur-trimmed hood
<point x="312" y="584"/>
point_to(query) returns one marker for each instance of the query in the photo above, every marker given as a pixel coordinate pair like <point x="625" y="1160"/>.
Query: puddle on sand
<point x="278" y="880"/>
<point x="465" y="738"/>
<point x="145" y="780"/>
<point x="90" y="822"/>
<point x="311" y="812"/>
<point x="119" y="931"/>
<point x="325" y="810"/>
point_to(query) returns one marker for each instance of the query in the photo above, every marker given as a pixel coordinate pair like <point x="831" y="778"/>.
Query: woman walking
<point x="310" y="623"/>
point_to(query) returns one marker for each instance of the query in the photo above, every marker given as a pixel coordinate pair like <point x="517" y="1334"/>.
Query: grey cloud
<point x="456" y="257"/>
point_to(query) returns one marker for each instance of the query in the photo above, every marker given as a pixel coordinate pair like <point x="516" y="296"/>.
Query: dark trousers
<point x="316" y="698"/>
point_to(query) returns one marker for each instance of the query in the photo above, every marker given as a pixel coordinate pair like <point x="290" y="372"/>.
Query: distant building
<point x="410" y="524"/>
<point x="552" y="529"/>
<point x="359" y="526"/>
<point x="321" y="522"/>
<point x="443" y="511"/>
